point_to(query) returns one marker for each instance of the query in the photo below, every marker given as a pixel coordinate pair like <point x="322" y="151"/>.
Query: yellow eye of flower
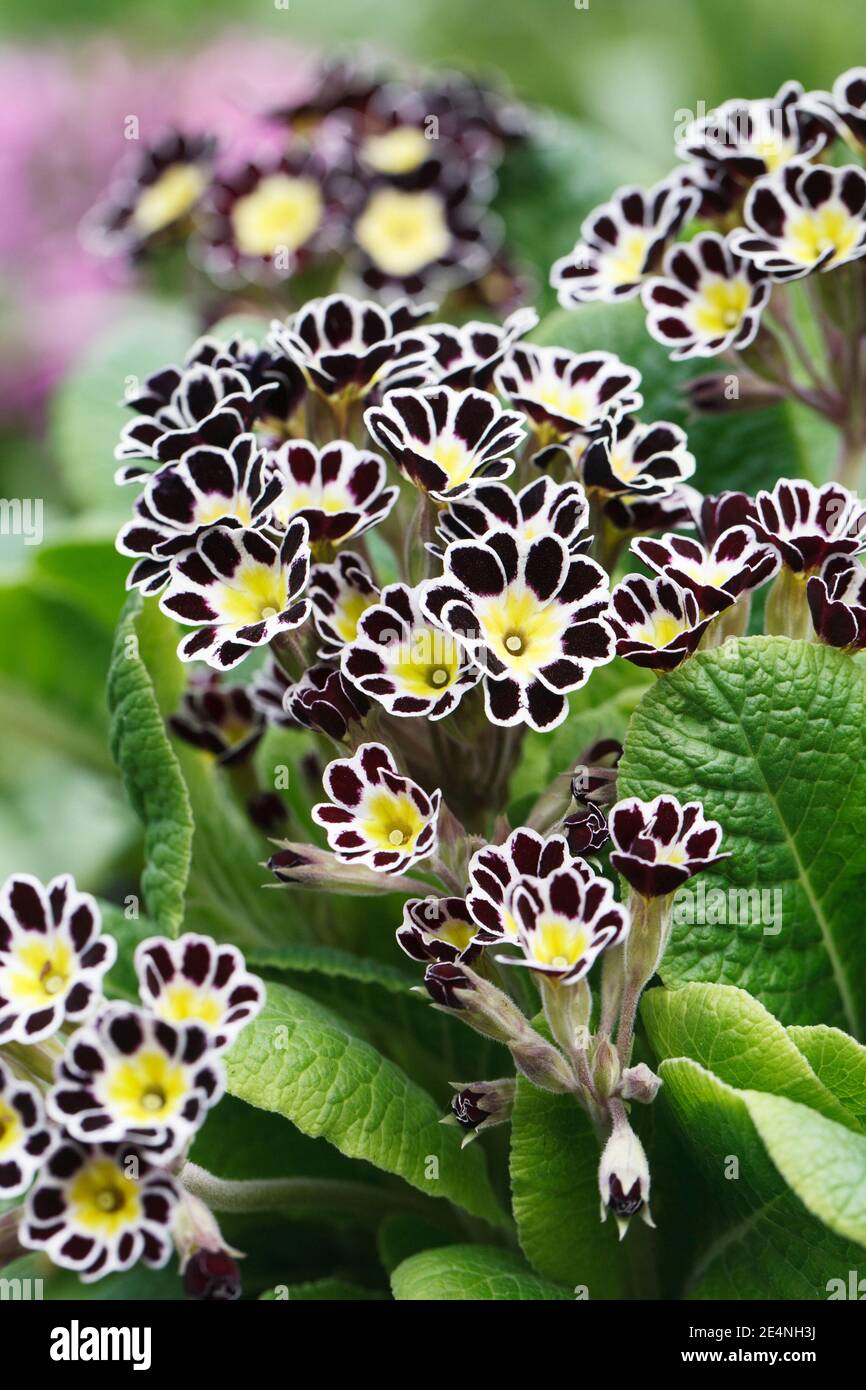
<point x="403" y="232"/>
<point x="397" y="152"/>
<point x="173" y="195"/>
<point x="281" y="212"/>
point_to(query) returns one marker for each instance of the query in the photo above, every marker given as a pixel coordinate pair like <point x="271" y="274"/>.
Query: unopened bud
<point x="721" y="393"/>
<point x="307" y="866"/>
<point x="605" y="1069"/>
<point x="213" y="1276"/>
<point x="624" y="1178"/>
<point x="481" y="1105"/>
<point x="639" y="1083"/>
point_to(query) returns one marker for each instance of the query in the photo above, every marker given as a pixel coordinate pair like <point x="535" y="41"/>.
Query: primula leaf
<point x="151" y="774"/>
<point x="770" y="1241"/>
<point x="767" y="734"/>
<point x="554" y="1184"/>
<point x="476" y="1273"/>
<point x="840" y="1063"/>
<point x="299" y="1059"/>
<point x="732" y="1035"/>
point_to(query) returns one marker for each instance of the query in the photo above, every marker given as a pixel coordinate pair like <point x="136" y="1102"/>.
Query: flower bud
<point x="481" y="1105"/>
<point x="213" y="1276"/>
<point x="307" y="866"/>
<point x="640" y="1084"/>
<point x="624" y="1178"/>
<point x="721" y="393"/>
<point x="605" y="1069"/>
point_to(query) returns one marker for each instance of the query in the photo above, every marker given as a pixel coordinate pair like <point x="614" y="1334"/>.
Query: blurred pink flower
<point x="62" y="124"/>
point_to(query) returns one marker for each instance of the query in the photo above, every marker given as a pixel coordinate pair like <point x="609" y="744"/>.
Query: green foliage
<point x="767" y="737"/>
<point x="475" y="1273"/>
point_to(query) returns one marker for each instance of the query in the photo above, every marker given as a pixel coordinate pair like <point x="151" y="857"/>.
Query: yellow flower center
<point x="523" y="632"/>
<point x="173" y="195"/>
<point x="558" y="943"/>
<point x="399" y="151"/>
<point x="391" y="821"/>
<point x="10" y="1127"/>
<point x="660" y="631"/>
<point x="624" y="264"/>
<point x="431" y="663"/>
<point x="281" y="212"/>
<point x="403" y="232"/>
<point x="256" y="592"/>
<point x="182" y="1001"/>
<point x="813" y="234"/>
<point x="103" y="1198"/>
<point x="38" y="970"/>
<point x="721" y="306"/>
<point x="144" y="1087"/>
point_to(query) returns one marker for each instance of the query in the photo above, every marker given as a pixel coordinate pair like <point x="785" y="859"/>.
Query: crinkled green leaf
<point x="767" y="1244"/>
<point x="304" y="1062"/>
<point x="767" y="734"/>
<point x="840" y="1063"/>
<point x="474" y="1273"/>
<point x="151" y="773"/>
<point x="732" y="1035"/>
<point x="554" y="1185"/>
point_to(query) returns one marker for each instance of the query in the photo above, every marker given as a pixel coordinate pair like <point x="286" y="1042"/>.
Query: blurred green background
<point x="617" y="72"/>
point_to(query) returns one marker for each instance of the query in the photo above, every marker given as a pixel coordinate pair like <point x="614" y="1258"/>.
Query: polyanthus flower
<point x="340" y="594"/>
<point x="586" y="829"/>
<point x="849" y="104"/>
<point x="376" y="816"/>
<point x="193" y="979"/>
<point x="531" y="617"/>
<point x="438" y="929"/>
<point x="567" y="394"/>
<point x="52" y="957"/>
<point x="24" y="1134"/>
<point x="719" y="512"/>
<point x="707" y="300"/>
<point x="239" y="590"/>
<point x="564" y="922"/>
<point x="495" y="870"/>
<point x="404" y="662"/>
<point x="632" y="460"/>
<point x="220" y="390"/>
<point x="750" y="138"/>
<point x="657" y="624"/>
<point x="232" y="487"/>
<point x="264" y="220"/>
<point x="837" y="602"/>
<point x="132" y="1076"/>
<point x="323" y="701"/>
<point x="410" y="239"/>
<point x="220" y="719"/>
<point x="541" y="508"/>
<point x="808" y="524"/>
<point x="446" y="441"/>
<point x="339" y="490"/>
<point x="660" y="844"/>
<point x="348" y="347"/>
<point x="804" y="219"/>
<point x="100" y="1208"/>
<point x="735" y="565"/>
<point x="637" y="516"/>
<point x="468" y="354"/>
<point x="622" y="242"/>
<point x="153" y="197"/>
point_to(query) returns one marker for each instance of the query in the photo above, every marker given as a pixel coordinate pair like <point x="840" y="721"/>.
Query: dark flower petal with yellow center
<point x="747" y="139"/>
<point x="736" y="564"/>
<point x="446" y="441"/>
<point x="153" y="196"/>
<point x="133" y="1076"/>
<point x="837" y="602"/>
<point x="660" y="844"/>
<point x="100" y="1208"/>
<point x="404" y="662"/>
<point x="657" y="624"/>
<point x="495" y="870"/>
<point x="24" y="1133"/>
<point x="631" y="460"/>
<point x="541" y="508"/>
<point x="438" y="929"/>
<point x="708" y="298"/>
<point x="220" y="719"/>
<point x="340" y="594"/>
<point x="532" y="618"/>
<point x="376" y="816"/>
<point x="566" y="394"/>
<point x="808" y="524"/>
<point x="52" y="957"/>
<point x="807" y="218"/>
<point x="239" y="591"/>
<point x="564" y="922"/>
<point x="338" y="490"/>
<point x="622" y="243"/>
<point x="193" y="979"/>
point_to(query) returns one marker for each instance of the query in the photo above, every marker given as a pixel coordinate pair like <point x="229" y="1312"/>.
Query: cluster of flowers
<point x="391" y="180"/>
<point x="260" y="494"/>
<point x="99" y="1101"/>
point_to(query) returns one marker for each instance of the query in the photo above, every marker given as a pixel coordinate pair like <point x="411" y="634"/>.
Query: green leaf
<point x="471" y="1273"/>
<point x="88" y="412"/>
<point x="839" y="1062"/>
<point x="554" y="1184"/>
<point x="299" y="1059"/>
<point x="748" y="449"/>
<point x="765" y="732"/>
<point x="732" y="1035"/>
<point x="150" y="772"/>
<point x="767" y="1244"/>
